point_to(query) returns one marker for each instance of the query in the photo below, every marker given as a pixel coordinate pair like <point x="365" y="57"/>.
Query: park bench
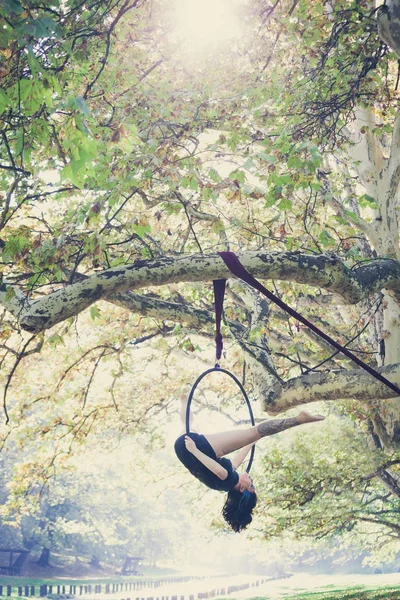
<point x="13" y="563"/>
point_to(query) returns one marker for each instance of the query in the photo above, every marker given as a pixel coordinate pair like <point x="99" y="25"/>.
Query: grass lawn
<point x="351" y="593"/>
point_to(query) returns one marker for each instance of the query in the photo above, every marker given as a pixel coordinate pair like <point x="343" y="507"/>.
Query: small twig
<point x="96" y="364"/>
<point x="183" y="202"/>
<point x="20" y="356"/>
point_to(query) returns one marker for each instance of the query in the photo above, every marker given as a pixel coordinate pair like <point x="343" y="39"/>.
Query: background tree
<point x="337" y="493"/>
<point x="98" y="509"/>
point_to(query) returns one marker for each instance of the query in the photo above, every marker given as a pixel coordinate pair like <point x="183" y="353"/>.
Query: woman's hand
<point x="190" y="445"/>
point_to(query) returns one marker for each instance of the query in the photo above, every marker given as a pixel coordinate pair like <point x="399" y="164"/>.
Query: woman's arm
<point x="240" y="456"/>
<point x="208" y="462"/>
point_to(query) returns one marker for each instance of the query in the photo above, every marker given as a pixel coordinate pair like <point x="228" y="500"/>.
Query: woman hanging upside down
<point x="203" y="456"/>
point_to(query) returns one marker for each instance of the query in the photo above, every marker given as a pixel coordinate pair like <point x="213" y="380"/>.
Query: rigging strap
<point x="219" y="292"/>
<point x="237" y="269"/>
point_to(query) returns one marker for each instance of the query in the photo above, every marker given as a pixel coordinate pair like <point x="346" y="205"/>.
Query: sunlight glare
<point x="206" y="25"/>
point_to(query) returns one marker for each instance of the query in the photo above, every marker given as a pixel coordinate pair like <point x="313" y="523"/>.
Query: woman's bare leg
<point x="229" y="441"/>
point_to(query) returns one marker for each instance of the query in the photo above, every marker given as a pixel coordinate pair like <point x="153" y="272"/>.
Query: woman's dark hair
<point x="238" y="508"/>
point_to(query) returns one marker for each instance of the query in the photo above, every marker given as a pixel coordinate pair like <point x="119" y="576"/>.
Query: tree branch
<point x="358" y="222"/>
<point x="389" y="481"/>
<point x="332" y="385"/>
<point x="388" y="524"/>
<point x="323" y="271"/>
<point x="161" y="309"/>
<point x="388" y="20"/>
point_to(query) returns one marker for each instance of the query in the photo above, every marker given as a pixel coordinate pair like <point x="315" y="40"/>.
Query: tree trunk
<point x="44" y="560"/>
<point x="380" y="177"/>
<point x="94" y="562"/>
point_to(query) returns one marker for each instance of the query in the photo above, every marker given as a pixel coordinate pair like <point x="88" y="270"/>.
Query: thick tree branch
<point x="388" y="19"/>
<point x="389" y="481"/>
<point x="162" y="310"/>
<point x="369" y="229"/>
<point x="152" y="306"/>
<point x="333" y="385"/>
<point x="323" y="271"/>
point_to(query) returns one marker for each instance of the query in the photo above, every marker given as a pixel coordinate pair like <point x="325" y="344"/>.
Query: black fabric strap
<point x="219" y="292"/>
<point x="236" y="267"/>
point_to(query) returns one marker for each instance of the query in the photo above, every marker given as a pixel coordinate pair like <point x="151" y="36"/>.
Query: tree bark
<point x="388" y="18"/>
<point x="331" y="385"/>
<point x="323" y="271"/>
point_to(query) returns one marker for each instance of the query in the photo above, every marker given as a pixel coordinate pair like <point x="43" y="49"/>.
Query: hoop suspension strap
<point x="236" y="267"/>
<point x="219" y="292"/>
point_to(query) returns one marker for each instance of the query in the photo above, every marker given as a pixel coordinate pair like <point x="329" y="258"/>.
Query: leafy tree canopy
<point x="128" y="159"/>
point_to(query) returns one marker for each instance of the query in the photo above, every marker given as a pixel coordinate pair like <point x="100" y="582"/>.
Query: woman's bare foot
<point x="305" y="417"/>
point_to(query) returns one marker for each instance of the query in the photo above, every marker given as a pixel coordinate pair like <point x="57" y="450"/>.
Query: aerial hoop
<point x="217" y="368"/>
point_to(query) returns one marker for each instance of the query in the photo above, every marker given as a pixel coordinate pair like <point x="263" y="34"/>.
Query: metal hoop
<point x="217" y="368"/>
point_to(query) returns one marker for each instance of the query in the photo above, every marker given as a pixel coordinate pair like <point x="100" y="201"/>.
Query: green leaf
<point x="14" y="245"/>
<point x="248" y="164"/>
<point x="351" y="215"/>
<point x="141" y="229"/>
<point x="55" y="340"/>
<point x="325" y="238"/>
<point x="366" y="201"/>
<point x="266" y="157"/>
<point x="19" y="142"/>
<point x="25" y="88"/>
<point x="133" y="133"/>
<point x="95" y="312"/>
<point x="190" y="182"/>
<point x="214" y="175"/>
<point x="238" y="176"/>
<point x="10" y="293"/>
<point x="82" y="106"/>
<point x="4" y="101"/>
<point x="10" y="8"/>
<point x="271" y="199"/>
<point x="34" y="64"/>
<point x="41" y="28"/>
<point x="59" y="275"/>
<point x="71" y="172"/>
<point x="55" y="84"/>
<point x="354" y="252"/>
<point x="285" y="204"/>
